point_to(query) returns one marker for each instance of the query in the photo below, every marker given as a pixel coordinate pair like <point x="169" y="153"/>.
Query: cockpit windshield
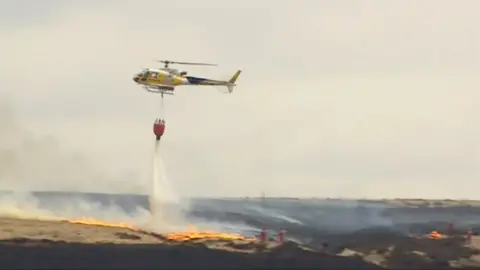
<point x="144" y="73"/>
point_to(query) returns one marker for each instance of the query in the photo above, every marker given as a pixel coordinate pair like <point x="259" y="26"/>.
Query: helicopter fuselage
<point x="166" y="79"/>
<point x="160" y="77"/>
<point x="171" y="77"/>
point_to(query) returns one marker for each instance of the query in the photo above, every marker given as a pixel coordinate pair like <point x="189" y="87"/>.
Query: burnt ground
<point x="53" y="244"/>
<point x="401" y="251"/>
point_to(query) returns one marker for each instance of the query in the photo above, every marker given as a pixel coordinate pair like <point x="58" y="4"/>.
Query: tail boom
<point x="230" y="84"/>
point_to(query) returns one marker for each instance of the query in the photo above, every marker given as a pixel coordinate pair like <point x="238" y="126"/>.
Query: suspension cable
<point x="162" y="108"/>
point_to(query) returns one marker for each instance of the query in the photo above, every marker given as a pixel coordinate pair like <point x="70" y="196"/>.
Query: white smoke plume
<point x="30" y="163"/>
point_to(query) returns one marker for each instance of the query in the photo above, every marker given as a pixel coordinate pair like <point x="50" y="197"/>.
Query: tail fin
<point x="231" y="82"/>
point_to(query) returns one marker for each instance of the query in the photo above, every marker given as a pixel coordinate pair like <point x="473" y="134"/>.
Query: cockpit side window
<point x="153" y="75"/>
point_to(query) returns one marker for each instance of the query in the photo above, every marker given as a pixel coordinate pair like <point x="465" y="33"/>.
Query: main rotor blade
<point x="191" y="63"/>
<point x="185" y="63"/>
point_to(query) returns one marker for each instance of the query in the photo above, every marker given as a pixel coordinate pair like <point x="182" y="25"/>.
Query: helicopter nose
<point x="136" y="79"/>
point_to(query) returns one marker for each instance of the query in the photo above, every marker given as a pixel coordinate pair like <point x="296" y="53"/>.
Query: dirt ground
<point x="54" y="245"/>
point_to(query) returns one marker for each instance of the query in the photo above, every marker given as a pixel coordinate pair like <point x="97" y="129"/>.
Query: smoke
<point x="27" y="206"/>
<point x="30" y="163"/>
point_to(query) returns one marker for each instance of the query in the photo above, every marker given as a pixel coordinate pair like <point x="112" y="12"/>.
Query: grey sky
<point x="337" y="98"/>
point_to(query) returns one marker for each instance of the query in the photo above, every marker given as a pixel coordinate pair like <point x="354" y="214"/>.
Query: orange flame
<point x="192" y="233"/>
<point x="188" y="236"/>
<point x="436" y="235"/>
<point x="94" y="222"/>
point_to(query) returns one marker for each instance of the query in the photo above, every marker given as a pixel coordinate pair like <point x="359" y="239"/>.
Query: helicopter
<point x="164" y="80"/>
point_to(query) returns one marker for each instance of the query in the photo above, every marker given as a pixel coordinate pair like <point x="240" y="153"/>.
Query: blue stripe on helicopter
<point x="195" y="80"/>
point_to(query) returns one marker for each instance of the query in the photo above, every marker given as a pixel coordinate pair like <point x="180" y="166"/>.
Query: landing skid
<point x="160" y="90"/>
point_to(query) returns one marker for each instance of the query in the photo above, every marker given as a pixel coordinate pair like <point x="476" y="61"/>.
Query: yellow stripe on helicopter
<point x="165" y="79"/>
